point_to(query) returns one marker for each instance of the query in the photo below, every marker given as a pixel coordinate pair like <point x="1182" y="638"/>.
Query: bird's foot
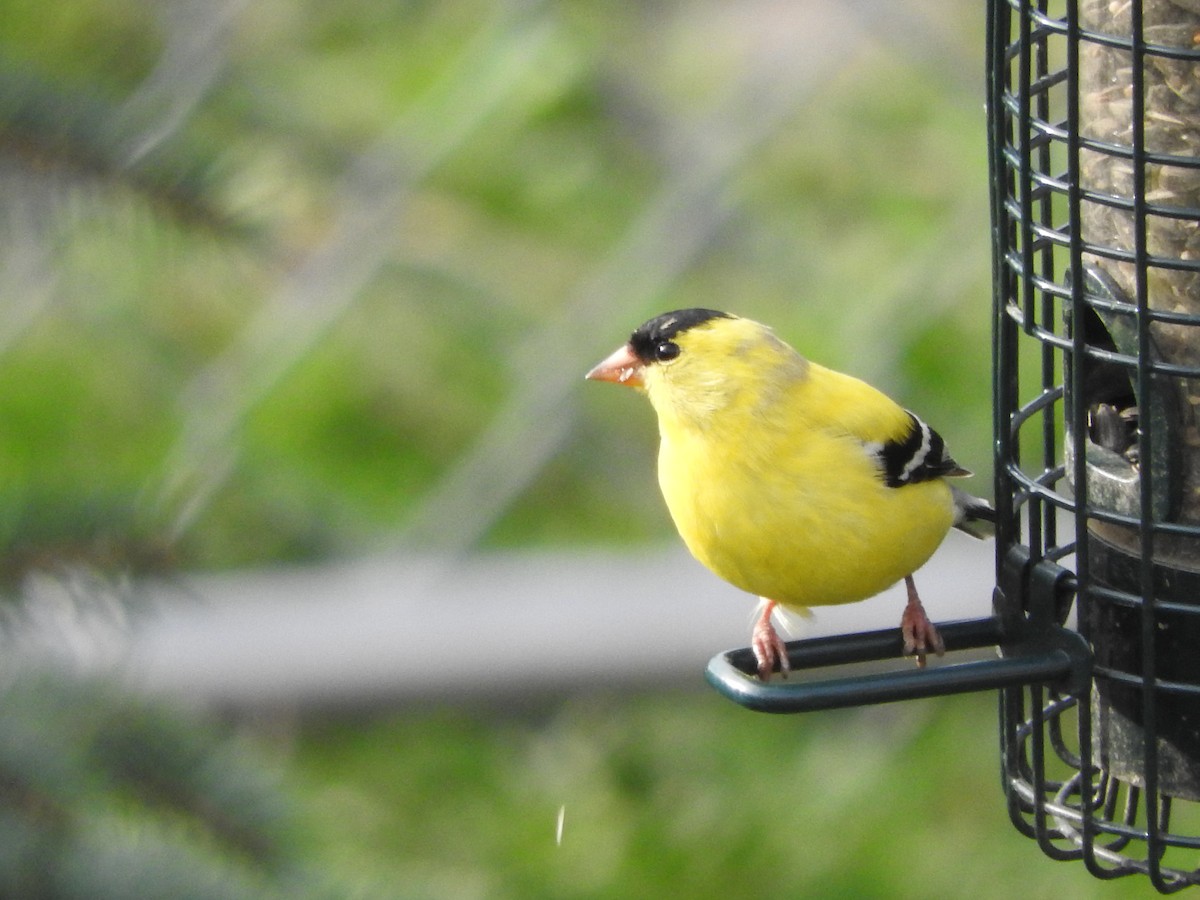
<point x="768" y="646"/>
<point x="920" y="635"/>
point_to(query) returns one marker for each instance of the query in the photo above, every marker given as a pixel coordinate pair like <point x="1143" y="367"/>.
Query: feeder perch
<point x="1094" y="147"/>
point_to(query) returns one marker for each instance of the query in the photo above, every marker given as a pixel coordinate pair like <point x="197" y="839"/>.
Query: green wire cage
<point x="1095" y="154"/>
<point x="1094" y="142"/>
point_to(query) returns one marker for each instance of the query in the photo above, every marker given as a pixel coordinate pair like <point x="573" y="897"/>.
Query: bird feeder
<point x="1095" y="153"/>
<point x="1094" y="142"/>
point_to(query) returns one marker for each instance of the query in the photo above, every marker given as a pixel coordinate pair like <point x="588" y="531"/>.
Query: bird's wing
<point x="918" y="456"/>
<point x="908" y="450"/>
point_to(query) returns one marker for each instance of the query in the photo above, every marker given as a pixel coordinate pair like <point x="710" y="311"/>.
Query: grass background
<point x="292" y="281"/>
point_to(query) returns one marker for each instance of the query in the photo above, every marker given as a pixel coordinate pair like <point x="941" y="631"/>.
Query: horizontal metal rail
<point x="1057" y="656"/>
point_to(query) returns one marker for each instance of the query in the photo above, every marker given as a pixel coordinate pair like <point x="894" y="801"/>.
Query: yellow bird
<point x="798" y="484"/>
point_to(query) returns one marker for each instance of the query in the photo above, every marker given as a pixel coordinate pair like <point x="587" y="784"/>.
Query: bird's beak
<point x="622" y="367"/>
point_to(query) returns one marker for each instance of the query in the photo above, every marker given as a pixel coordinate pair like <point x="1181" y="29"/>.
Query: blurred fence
<point x="296" y="283"/>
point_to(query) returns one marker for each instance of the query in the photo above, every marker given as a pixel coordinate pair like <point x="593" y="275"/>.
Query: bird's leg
<point x="768" y="647"/>
<point x="920" y="635"/>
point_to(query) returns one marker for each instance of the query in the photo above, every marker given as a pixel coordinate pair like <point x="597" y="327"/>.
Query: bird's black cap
<point x="667" y="327"/>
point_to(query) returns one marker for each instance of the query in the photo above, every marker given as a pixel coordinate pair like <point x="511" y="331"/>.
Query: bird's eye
<point x="665" y="350"/>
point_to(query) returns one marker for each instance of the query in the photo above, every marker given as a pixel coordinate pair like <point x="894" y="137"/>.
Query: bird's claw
<point x="769" y="649"/>
<point x="920" y="643"/>
<point x="920" y="635"/>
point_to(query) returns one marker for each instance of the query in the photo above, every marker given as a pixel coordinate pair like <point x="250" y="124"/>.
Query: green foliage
<point x="522" y="147"/>
<point x="104" y="796"/>
<point x="675" y="794"/>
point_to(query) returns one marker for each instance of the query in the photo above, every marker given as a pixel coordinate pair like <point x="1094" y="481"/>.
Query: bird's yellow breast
<point x="789" y="509"/>
<point x="803" y="541"/>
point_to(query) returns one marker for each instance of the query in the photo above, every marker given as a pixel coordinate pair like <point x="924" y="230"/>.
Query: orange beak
<point x="621" y="367"/>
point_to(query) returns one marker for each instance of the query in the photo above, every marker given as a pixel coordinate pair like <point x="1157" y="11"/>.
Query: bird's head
<point x="693" y="362"/>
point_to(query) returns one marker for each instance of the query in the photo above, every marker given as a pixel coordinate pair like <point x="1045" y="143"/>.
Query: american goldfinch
<point x="791" y="481"/>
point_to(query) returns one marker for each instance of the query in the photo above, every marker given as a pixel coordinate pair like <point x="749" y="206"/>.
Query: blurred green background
<point x="298" y="281"/>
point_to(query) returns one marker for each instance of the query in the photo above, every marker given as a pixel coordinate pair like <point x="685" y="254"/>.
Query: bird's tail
<point x="973" y="515"/>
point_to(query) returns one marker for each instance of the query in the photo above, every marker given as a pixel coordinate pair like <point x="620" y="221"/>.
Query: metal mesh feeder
<point x="1095" y="152"/>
